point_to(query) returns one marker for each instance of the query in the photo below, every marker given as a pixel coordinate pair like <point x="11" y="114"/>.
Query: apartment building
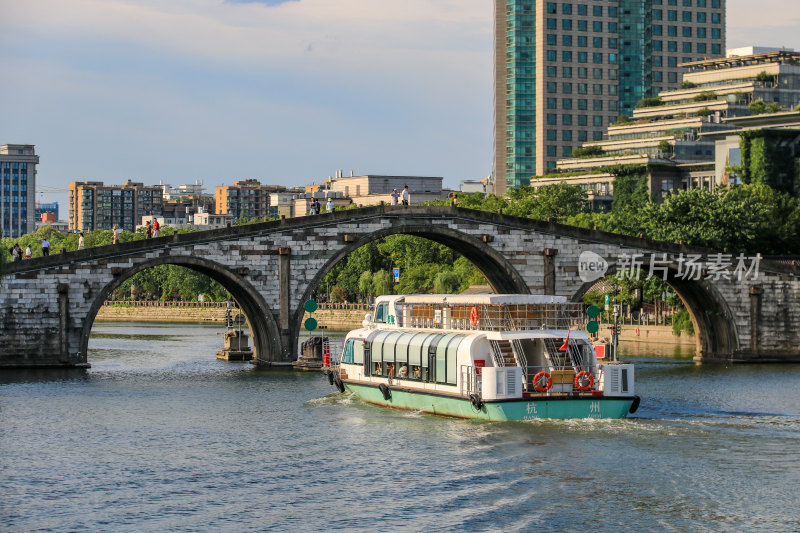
<point x="248" y="198"/>
<point x="17" y="189"/>
<point x="565" y="70"/>
<point x="94" y="205"/>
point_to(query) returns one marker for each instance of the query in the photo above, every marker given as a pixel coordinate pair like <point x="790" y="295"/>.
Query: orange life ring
<point x="537" y="379"/>
<point x="473" y="316"/>
<point x="578" y="379"/>
<point x="637" y="332"/>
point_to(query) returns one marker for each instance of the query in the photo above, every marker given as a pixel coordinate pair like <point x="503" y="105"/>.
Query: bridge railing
<point x="160" y="303"/>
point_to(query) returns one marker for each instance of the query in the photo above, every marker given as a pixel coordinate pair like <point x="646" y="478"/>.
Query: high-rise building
<point x="564" y="70"/>
<point x="93" y="205"/>
<point x="17" y="189"/>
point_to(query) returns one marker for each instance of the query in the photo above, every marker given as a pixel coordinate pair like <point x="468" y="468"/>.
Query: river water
<point x="160" y="436"/>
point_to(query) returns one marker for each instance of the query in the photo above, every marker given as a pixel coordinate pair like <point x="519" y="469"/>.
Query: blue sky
<point x="282" y="91"/>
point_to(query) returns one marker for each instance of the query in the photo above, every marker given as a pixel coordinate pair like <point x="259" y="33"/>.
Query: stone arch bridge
<point x="48" y="304"/>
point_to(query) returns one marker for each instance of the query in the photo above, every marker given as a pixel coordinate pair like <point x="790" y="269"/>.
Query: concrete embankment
<point x="345" y="319"/>
<point x="175" y="314"/>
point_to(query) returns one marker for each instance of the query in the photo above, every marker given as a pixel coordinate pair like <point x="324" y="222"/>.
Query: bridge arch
<point x="264" y="328"/>
<point x="498" y="270"/>
<point x="713" y="321"/>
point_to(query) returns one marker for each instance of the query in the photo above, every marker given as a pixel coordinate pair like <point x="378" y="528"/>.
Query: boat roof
<point x="484" y="299"/>
<point x="534" y="334"/>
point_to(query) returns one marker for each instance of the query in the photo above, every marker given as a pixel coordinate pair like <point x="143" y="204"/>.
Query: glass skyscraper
<point x="564" y="70"/>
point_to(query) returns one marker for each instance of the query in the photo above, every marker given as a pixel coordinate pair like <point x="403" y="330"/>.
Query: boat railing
<point x="470" y="380"/>
<point x="552" y="380"/>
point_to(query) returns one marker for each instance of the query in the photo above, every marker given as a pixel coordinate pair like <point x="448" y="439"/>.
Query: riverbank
<point x="335" y="317"/>
<point x="169" y="314"/>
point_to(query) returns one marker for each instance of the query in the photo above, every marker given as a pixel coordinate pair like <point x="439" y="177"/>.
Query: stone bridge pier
<point x="48" y="304"/>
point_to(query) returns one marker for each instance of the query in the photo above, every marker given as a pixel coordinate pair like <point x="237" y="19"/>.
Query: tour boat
<point x="497" y="357"/>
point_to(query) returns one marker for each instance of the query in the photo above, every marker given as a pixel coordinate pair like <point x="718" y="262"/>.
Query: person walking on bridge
<point x="81" y="242"/>
<point x="45" y="247"/>
<point x="406" y="196"/>
<point x="156" y="228"/>
<point x="148" y="231"/>
<point x="28" y="252"/>
<point x="115" y="236"/>
<point x="395" y="196"/>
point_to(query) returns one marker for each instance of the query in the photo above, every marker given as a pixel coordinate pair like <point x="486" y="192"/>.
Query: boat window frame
<point x="347" y="356"/>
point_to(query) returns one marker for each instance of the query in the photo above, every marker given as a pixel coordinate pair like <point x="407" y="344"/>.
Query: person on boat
<point x="403" y="372"/>
<point x="378" y="370"/>
<point x="417" y="371"/>
<point x="390" y="370"/>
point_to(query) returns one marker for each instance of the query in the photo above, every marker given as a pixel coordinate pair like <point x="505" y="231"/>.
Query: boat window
<point x="401" y="347"/>
<point x="383" y="353"/>
<point x="358" y="351"/>
<point x="441" y="358"/>
<point x="452" y="360"/>
<point x="415" y="348"/>
<point x="348" y="352"/>
<point x="381" y="310"/>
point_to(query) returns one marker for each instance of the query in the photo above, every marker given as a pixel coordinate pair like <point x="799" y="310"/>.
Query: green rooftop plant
<point x="774" y="107"/>
<point x="705" y="96"/>
<point x="654" y="101"/>
<point x="588" y="151"/>
<point x="688" y="85"/>
<point x="704" y="112"/>
<point x="757" y="107"/>
<point x="763" y="76"/>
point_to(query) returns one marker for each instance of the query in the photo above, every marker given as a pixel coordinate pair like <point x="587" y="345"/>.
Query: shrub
<point x="681" y="321"/>
<point x="654" y="101"/>
<point x="705" y="96"/>
<point x="588" y="151"/>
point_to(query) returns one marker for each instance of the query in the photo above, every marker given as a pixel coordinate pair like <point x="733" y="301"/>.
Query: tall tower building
<point x="566" y="69"/>
<point x="17" y="189"/>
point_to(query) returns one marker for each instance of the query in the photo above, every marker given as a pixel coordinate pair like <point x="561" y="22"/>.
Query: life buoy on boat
<point x="477" y="403"/>
<point x="636" y="331"/>
<point x="473" y="316"/>
<point x="539" y="384"/>
<point x="339" y="384"/>
<point x="387" y="393"/>
<point x="584" y="380"/>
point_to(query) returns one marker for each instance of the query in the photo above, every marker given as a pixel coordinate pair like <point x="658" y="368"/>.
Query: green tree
<point x="365" y="284"/>
<point x="382" y="283"/>
<point x="446" y="282"/>
<point x="557" y="201"/>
